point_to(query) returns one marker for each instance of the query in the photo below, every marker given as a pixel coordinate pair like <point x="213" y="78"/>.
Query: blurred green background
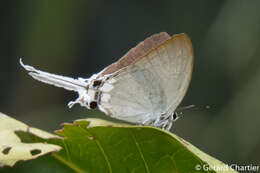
<point x="79" y="38"/>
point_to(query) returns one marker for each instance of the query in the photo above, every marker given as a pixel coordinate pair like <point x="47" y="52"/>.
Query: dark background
<point x="79" y="38"/>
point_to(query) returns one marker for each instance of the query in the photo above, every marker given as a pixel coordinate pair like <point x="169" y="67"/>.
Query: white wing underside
<point x="152" y="86"/>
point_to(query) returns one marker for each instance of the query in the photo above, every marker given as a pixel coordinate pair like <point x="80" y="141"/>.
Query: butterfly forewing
<point x="152" y="85"/>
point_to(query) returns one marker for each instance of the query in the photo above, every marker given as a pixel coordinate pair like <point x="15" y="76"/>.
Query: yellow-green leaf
<point x="94" y="145"/>
<point x="11" y="147"/>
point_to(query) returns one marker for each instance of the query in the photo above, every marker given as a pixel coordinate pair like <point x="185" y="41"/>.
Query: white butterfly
<point x="144" y="87"/>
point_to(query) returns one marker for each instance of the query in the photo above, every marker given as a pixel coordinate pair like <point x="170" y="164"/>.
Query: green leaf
<point x="94" y="145"/>
<point x="43" y="164"/>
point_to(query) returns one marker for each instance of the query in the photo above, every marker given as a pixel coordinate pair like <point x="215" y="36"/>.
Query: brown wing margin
<point x="137" y="52"/>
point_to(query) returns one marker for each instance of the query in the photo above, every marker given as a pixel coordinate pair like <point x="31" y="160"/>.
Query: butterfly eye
<point x="174" y="116"/>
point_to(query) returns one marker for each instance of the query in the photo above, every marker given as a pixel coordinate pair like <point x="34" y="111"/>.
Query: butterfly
<point x="144" y="87"/>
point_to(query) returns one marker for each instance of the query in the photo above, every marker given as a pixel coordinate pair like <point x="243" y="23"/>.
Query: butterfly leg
<point x="161" y="122"/>
<point x="147" y="121"/>
<point x="165" y="122"/>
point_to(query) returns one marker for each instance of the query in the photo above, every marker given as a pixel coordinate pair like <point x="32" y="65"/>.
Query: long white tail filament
<point x="78" y="85"/>
<point x="56" y="80"/>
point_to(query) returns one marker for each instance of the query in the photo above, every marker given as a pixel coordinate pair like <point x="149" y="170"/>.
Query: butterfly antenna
<point x="193" y="107"/>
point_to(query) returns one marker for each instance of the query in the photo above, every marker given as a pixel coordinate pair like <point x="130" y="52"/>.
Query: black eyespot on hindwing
<point x="93" y="105"/>
<point x="97" y="83"/>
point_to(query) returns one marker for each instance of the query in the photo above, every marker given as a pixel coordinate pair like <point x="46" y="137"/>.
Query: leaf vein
<point x="101" y="149"/>
<point x="140" y="152"/>
<point x="69" y="164"/>
<point x="104" y="154"/>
